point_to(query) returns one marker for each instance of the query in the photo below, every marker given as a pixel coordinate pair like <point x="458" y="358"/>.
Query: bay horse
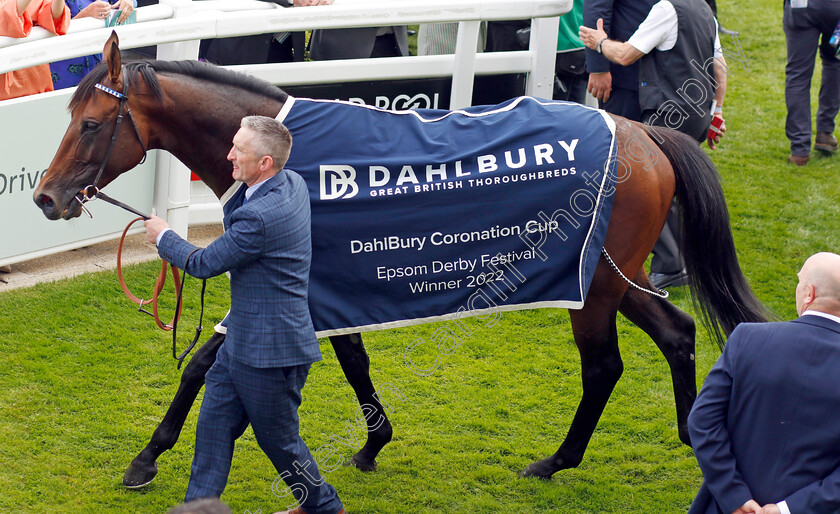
<point x="193" y="109"/>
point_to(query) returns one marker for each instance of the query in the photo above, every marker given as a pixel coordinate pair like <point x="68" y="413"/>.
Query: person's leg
<point x="571" y="88"/>
<point x="666" y="252"/>
<point x="385" y="46"/>
<point x="829" y="103"/>
<point x="562" y="86"/>
<point x="282" y="51"/>
<point x="440" y="38"/>
<point x="271" y="397"/>
<point x="802" y="40"/>
<point x="578" y="89"/>
<point x="437" y="38"/>
<point x="501" y="35"/>
<point x="221" y="421"/>
<point x="667" y="267"/>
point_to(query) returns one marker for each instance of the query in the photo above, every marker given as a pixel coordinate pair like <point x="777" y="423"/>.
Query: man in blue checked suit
<point x="765" y="427"/>
<point x="270" y="343"/>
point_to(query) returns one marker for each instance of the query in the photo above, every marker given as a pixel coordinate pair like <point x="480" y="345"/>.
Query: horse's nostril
<point x="44" y="201"/>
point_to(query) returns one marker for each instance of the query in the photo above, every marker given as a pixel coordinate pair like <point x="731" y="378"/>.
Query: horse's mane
<point x="147" y="69"/>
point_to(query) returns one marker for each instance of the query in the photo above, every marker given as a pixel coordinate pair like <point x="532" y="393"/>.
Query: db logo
<point x="338" y="181"/>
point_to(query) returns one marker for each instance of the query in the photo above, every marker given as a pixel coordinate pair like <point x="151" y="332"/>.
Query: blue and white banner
<point x="425" y="215"/>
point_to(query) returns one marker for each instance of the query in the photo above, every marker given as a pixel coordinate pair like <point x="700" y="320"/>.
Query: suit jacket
<point x="621" y="19"/>
<point x="766" y="424"/>
<point x="267" y="249"/>
<point x="327" y="44"/>
<point x="256" y="49"/>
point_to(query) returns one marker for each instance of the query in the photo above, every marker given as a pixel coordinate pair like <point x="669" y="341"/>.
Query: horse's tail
<point x="718" y="286"/>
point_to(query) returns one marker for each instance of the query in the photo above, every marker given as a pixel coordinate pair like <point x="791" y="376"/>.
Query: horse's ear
<point x="111" y="54"/>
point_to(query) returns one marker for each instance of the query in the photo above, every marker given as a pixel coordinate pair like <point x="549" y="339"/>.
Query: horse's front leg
<point x="601" y="367"/>
<point x="143" y="468"/>
<point x="673" y="332"/>
<point x="355" y="363"/>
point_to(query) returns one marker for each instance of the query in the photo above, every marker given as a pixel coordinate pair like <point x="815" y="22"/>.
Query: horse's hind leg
<point x="356" y="366"/>
<point x="143" y="468"/>
<point x="601" y="367"/>
<point x="673" y="332"/>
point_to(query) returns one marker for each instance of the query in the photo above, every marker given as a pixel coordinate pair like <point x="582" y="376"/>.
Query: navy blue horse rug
<point x="430" y="215"/>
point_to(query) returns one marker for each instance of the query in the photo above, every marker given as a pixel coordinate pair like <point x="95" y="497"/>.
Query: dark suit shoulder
<point x="801" y="323"/>
<point x="785" y="337"/>
<point x="749" y="330"/>
<point x="818" y="322"/>
<point x="767" y="329"/>
<point x="755" y="335"/>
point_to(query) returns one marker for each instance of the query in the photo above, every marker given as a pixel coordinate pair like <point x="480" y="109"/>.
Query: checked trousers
<point x="237" y="395"/>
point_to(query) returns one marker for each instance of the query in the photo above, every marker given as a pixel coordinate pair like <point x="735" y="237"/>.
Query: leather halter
<point x="91" y="192"/>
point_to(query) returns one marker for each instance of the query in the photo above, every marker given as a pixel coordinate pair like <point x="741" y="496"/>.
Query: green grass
<point x="84" y="379"/>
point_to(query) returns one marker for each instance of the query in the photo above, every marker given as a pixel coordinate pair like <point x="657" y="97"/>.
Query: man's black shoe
<point x="663" y="280"/>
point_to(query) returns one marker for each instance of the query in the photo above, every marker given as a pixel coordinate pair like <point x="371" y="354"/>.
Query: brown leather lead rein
<point x="159" y="283"/>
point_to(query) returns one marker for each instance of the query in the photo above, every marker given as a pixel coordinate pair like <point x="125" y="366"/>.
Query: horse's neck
<point x="197" y="123"/>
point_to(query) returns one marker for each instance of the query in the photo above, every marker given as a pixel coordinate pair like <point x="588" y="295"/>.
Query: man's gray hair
<point x="271" y="138"/>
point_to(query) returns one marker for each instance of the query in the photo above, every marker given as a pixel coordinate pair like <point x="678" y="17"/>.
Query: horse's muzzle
<point x="52" y="211"/>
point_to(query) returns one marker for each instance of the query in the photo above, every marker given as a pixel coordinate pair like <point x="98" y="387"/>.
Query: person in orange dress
<point x="17" y="17"/>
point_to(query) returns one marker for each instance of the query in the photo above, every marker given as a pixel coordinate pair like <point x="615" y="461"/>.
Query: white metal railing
<point x="177" y="26"/>
<point x="175" y="21"/>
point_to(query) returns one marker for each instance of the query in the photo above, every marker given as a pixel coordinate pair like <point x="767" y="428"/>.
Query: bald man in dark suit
<point x="765" y="427"/>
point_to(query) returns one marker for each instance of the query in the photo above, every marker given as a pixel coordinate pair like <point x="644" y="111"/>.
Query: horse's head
<point x="102" y="141"/>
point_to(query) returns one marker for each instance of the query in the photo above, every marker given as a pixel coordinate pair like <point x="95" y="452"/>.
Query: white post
<point x="181" y="49"/>
<point x="543" y="47"/>
<point x="463" y="74"/>
<point x="172" y="178"/>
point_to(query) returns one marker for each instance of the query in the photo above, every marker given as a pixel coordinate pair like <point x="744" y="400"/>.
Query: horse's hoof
<point x="541" y="469"/>
<point x="362" y="464"/>
<point x="139" y="476"/>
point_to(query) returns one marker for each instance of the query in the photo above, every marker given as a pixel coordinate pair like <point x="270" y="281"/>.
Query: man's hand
<point x="750" y="507"/>
<point x="600" y="85"/>
<point x="624" y="53"/>
<point x="771" y="508"/>
<point x="592" y="37"/>
<point x="154" y="226"/>
<point x="714" y="141"/>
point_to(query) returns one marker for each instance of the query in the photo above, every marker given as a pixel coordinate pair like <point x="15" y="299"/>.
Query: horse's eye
<point x="89" y="126"/>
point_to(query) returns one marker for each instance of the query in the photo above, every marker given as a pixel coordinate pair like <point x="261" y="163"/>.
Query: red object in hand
<point x="714" y="128"/>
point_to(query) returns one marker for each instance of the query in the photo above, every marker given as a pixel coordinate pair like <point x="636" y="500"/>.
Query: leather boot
<point x="825" y="142"/>
<point x="799" y="160"/>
